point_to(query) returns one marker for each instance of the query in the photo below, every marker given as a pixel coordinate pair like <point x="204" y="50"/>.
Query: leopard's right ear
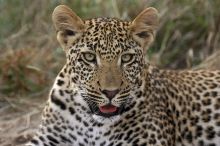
<point x="68" y="25"/>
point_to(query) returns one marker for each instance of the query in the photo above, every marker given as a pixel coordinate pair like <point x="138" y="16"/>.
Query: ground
<point x="19" y="117"/>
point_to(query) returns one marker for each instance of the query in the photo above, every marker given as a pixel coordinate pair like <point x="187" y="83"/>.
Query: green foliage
<point x="189" y="31"/>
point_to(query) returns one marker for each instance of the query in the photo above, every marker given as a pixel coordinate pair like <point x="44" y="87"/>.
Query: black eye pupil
<point x="70" y="32"/>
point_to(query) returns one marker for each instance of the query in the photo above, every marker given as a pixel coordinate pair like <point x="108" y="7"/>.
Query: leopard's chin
<point x="106" y="120"/>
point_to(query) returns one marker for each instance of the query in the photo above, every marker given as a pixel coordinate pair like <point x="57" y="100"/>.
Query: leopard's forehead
<point x="107" y="36"/>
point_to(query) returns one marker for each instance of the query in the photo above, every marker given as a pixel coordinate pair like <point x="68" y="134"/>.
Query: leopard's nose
<point x="110" y="93"/>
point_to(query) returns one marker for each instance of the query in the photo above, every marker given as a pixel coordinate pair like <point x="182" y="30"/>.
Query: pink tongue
<point x="108" y="108"/>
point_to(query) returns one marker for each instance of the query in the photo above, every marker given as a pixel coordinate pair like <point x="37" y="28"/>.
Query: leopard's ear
<point x="144" y="26"/>
<point x="68" y="25"/>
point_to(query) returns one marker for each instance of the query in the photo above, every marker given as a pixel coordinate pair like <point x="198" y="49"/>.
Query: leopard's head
<point x="105" y="57"/>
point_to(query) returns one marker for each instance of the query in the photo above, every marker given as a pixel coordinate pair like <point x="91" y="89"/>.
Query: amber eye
<point x="126" y="58"/>
<point x="90" y="57"/>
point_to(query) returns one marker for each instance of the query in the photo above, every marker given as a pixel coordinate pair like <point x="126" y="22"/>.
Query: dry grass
<point x="30" y="57"/>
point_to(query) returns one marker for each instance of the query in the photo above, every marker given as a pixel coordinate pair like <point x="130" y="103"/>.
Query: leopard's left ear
<point x="144" y="26"/>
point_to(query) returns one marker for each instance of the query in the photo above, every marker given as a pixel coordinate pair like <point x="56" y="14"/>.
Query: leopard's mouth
<point x="109" y="110"/>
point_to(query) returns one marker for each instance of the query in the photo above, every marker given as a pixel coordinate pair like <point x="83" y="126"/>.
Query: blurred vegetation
<point x="30" y="56"/>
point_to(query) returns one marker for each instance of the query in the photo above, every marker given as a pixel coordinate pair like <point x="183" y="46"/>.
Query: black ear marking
<point x="143" y="34"/>
<point x="69" y="32"/>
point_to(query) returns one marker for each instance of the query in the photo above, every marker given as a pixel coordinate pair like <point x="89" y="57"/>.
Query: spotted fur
<point x="153" y="107"/>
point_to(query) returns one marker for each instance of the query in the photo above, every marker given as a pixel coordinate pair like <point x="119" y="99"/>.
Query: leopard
<point x="109" y="94"/>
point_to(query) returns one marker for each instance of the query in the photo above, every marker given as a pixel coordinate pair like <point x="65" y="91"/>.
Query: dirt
<point x="19" y="118"/>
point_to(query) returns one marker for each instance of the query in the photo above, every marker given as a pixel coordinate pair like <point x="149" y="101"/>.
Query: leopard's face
<point x="106" y="66"/>
<point x="105" y="58"/>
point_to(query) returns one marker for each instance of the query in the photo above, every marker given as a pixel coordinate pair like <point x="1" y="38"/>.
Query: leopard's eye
<point x="126" y="58"/>
<point x="90" y="57"/>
